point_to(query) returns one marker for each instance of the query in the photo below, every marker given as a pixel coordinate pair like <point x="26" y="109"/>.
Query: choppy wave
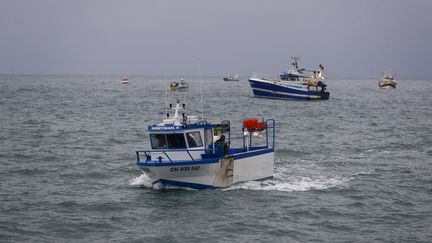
<point x="352" y="166"/>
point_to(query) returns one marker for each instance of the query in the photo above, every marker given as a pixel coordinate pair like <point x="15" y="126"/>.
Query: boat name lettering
<point x="164" y="128"/>
<point x="184" y="168"/>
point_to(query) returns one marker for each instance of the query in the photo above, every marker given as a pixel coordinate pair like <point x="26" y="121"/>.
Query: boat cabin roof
<point x="178" y="128"/>
<point x="291" y="75"/>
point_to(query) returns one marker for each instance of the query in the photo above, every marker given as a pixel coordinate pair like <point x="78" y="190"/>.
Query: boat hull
<point x="286" y="90"/>
<point x="387" y="85"/>
<point x="216" y="173"/>
<point x="231" y="79"/>
<point x="182" y="88"/>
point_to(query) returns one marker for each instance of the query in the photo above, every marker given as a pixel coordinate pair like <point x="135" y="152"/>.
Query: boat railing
<point x="270" y="132"/>
<point x="148" y="153"/>
<point x="265" y="76"/>
<point x="270" y="125"/>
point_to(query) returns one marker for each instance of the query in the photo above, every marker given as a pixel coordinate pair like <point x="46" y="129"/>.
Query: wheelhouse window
<point x="194" y="139"/>
<point x="158" y="141"/>
<point x="176" y="141"/>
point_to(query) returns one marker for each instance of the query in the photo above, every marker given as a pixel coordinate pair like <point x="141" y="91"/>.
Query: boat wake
<point x="296" y="184"/>
<point x="278" y="183"/>
<point x="144" y="181"/>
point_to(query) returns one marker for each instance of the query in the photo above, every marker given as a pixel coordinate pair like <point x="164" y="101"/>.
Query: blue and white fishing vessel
<point x="300" y="84"/>
<point x="193" y="153"/>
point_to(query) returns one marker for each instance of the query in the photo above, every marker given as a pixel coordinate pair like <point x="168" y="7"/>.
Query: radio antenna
<point x="165" y="88"/>
<point x="199" y="78"/>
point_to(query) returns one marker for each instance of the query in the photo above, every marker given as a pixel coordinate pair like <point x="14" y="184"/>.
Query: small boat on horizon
<point x="387" y="81"/>
<point x="294" y="84"/>
<point x="232" y="77"/>
<point x="178" y="86"/>
<point x="192" y="153"/>
<point x="125" y="80"/>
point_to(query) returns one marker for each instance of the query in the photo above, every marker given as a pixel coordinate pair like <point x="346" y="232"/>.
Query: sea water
<point x="354" y="168"/>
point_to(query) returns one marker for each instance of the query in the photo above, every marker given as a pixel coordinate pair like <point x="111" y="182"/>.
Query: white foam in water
<point x="142" y="180"/>
<point x="296" y="184"/>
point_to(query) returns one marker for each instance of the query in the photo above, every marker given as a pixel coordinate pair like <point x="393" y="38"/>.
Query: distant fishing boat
<point x="125" y="80"/>
<point x="294" y="84"/>
<point x="178" y="86"/>
<point x="192" y="153"/>
<point x="231" y="77"/>
<point x="387" y="82"/>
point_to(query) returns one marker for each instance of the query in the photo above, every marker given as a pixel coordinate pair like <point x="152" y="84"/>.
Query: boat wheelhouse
<point x="387" y="82"/>
<point x="178" y="86"/>
<point x="196" y="154"/>
<point x="232" y="77"/>
<point x="125" y="80"/>
<point x="294" y="84"/>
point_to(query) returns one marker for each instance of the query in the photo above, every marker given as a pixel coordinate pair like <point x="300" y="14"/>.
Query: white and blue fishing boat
<point x="300" y="84"/>
<point x="193" y="153"/>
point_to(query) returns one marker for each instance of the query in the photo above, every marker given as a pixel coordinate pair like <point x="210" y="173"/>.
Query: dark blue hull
<point x="276" y="90"/>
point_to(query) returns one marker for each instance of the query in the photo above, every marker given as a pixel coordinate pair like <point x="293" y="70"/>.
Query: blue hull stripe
<point x="194" y="185"/>
<point x="277" y="91"/>
<point x="264" y="94"/>
<point x="183" y="184"/>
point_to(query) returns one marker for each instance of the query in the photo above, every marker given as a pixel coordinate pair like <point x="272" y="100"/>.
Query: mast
<point x="199" y="78"/>
<point x="165" y="88"/>
<point x="295" y="62"/>
<point x="294" y="66"/>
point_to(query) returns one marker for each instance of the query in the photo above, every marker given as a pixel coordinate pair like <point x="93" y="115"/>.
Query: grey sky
<point x="351" y="38"/>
